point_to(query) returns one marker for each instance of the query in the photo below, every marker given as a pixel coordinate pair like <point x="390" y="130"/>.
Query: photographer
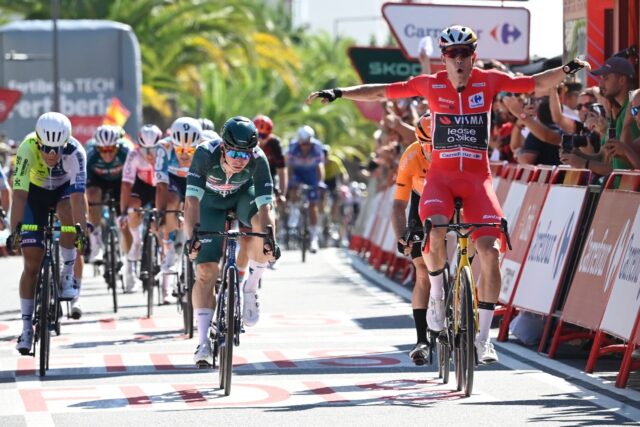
<point x="541" y="146"/>
<point x="616" y="79"/>
<point x="566" y="123"/>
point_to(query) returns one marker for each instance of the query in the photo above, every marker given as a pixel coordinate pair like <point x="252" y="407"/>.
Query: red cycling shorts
<point x="479" y="201"/>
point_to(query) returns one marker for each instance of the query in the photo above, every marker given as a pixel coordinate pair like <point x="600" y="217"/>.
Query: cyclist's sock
<point x="255" y="273"/>
<point x="136" y="234"/>
<point x="68" y="260"/>
<point x="204" y="317"/>
<point x="420" y="319"/>
<point x="437" y="284"/>
<point x="26" y="309"/>
<point x="485" y="312"/>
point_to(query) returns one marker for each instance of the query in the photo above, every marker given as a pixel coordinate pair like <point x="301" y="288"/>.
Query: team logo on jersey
<point x="476" y="100"/>
<point x="438" y="86"/>
<point x="480" y="84"/>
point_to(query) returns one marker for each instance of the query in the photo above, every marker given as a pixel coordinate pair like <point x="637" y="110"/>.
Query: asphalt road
<point x="330" y="349"/>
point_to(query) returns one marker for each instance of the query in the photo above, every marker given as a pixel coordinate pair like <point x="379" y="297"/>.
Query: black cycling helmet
<point x="239" y="133"/>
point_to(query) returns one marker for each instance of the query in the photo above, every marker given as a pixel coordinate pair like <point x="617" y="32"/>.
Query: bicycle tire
<point x="468" y="333"/>
<point x="56" y="299"/>
<point x="45" y="332"/>
<point x="227" y="360"/>
<point x="112" y="266"/>
<point x="305" y="235"/>
<point x="188" y="305"/>
<point x="149" y="277"/>
<point x="444" y="342"/>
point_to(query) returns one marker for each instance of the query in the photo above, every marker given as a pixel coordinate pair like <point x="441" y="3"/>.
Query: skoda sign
<point x="382" y="65"/>
<point x="503" y="32"/>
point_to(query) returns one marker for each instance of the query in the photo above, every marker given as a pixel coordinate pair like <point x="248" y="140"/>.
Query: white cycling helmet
<point x="149" y="136"/>
<point x="53" y="129"/>
<point x="107" y="136"/>
<point x="457" y="35"/>
<point x="206" y="124"/>
<point x="305" y="133"/>
<point x="186" y="132"/>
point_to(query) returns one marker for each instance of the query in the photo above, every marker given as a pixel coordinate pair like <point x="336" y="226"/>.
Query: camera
<point x="628" y="52"/>
<point x="571" y="141"/>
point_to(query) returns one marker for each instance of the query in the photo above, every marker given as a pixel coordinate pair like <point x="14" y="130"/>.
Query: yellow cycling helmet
<point x="457" y="35"/>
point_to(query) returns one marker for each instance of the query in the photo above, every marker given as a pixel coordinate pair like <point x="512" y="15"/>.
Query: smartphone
<point x="611" y="134"/>
<point x="567" y="143"/>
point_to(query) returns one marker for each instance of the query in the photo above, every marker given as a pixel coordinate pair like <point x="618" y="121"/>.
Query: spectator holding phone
<point x="616" y="79"/>
<point x="628" y="149"/>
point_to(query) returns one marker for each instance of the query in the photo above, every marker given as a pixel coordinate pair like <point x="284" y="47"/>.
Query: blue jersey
<point x="300" y="162"/>
<point x="167" y="162"/>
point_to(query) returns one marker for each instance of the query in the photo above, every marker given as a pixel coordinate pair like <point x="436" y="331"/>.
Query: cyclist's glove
<point x="13" y="241"/>
<point x="82" y="243"/>
<point x="193" y="247"/>
<point x="401" y="246"/>
<point x="271" y="246"/>
<point x="330" y="94"/>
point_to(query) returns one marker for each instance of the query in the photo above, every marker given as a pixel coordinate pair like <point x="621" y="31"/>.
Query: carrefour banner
<point x="98" y="61"/>
<point x="550" y="248"/>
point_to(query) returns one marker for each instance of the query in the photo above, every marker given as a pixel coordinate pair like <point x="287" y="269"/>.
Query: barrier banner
<point x="601" y="259"/>
<point x="624" y="301"/>
<point x="521" y="231"/>
<point x="502" y="188"/>
<point x="547" y="258"/>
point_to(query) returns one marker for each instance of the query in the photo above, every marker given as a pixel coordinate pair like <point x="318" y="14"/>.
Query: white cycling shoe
<point x="76" y="310"/>
<point x="485" y="351"/>
<point x="69" y="288"/>
<point x="25" y="342"/>
<point x="435" y="314"/>
<point x="203" y="357"/>
<point x="250" y="309"/>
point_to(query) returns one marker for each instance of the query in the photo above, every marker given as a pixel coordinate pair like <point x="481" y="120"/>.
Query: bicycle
<point x="112" y="256"/>
<point x="298" y="223"/>
<point x="183" y="292"/>
<point x="149" y="264"/>
<point x="461" y="305"/>
<point x="47" y="309"/>
<point x="228" y="319"/>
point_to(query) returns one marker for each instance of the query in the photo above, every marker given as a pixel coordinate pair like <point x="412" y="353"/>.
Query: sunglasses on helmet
<point x="237" y="154"/>
<point x="454" y="52"/>
<point x="184" y="150"/>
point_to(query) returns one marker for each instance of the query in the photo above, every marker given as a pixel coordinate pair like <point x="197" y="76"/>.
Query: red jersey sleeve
<point x="504" y="82"/>
<point x="416" y="86"/>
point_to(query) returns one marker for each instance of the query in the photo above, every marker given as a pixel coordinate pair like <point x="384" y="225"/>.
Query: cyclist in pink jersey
<point x="460" y="99"/>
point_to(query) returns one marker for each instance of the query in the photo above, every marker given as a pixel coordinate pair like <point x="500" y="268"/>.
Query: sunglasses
<point x="238" y="154"/>
<point x="185" y="150"/>
<point x="635" y="110"/>
<point x="585" y="105"/>
<point x="107" y="150"/>
<point x="47" y="149"/>
<point x="463" y="52"/>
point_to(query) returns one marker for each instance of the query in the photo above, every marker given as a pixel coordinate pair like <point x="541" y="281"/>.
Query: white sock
<point x="136" y="234"/>
<point x="437" y="285"/>
<point x="68" y="260"/>
<point x="486" y="316"/>
<point x="130" y="266"/>
<point x="79" y="283"/>
<point x="255" y="273"/>
<point x="204" y="317"/>
<point x="26" y="309"/>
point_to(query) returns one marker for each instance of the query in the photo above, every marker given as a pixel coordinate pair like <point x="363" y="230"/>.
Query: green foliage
<point x="237" y="57"/>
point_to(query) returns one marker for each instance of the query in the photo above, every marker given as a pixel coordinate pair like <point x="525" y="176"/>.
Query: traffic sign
<point x="382" y="65"/>
<point x="503" y="32"/>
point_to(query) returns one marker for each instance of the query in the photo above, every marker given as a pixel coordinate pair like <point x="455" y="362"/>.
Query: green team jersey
<point x="97" y="168"/>
<point x="618" y="162"/>
<point x="207" y="178"/>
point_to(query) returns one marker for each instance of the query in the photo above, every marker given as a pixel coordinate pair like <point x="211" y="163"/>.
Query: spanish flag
<point x="116" y="114"/>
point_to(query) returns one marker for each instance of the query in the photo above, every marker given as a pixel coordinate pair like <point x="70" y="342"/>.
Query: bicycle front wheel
<point x="150" y="278"/>
<point x="467" y="330"/>
<point x="44" y="286"/>
<point x="304" y="244"/>
<point x="187" y="306"/>
<point x="227" y="358"/>
<point x="112" y="247"/>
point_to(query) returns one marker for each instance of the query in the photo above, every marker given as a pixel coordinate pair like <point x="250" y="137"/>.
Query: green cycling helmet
<point x="239" y="133"/>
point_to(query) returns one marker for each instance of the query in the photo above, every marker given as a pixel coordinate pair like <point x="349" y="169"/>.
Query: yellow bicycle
<point x="461" y="304"/>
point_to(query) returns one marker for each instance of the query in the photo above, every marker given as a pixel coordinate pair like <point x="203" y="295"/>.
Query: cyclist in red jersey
<point x="460" y="99"/>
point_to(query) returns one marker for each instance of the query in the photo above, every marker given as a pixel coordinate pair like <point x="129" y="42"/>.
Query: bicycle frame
<point x="463" y="261"/>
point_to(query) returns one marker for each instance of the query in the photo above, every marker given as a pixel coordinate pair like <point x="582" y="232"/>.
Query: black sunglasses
<point x="46" y="149"/>
<point x="454" y="52"/>
<point x="585" y="105"/>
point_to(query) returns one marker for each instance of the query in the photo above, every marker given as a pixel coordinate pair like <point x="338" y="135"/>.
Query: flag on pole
<point x="116" y="114"/>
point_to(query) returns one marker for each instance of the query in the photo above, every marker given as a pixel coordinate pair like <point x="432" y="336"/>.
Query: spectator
<point x="616" y="79"/>
<point x="566" y="123"/>
<point x="569" y="93"/>
<point x="541" y="146"/>
<point x="630" y="149"/>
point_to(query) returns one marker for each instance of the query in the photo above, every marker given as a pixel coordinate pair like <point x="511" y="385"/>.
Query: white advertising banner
<point x="503" y="32"/>
<point x="509" y="270"/>
<point x="549" y="251"/>
<point x="624" y="301"/>
<point x="513" y="203"/>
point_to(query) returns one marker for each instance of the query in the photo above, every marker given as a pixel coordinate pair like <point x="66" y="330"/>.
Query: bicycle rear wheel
<point x="227" y="359"/>
<point x="44" y="287"/>
<point x="187" y="303"/>
<point x="112" y="266"/>
<point x="445" y="339"/>
<point x="304" y="244"/>
<point x="467" y="330"/>
<point x="149" y="278"/>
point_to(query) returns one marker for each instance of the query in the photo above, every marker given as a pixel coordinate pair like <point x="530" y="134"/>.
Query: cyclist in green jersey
<point x="228" y="173"/>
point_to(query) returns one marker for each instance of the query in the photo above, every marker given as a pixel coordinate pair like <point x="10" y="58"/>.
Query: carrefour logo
<point x="505" y="33"/>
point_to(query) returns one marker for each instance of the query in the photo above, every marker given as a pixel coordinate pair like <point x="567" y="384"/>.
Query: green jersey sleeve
<point x="24" y="163"/>
<point x="200" y="166"/>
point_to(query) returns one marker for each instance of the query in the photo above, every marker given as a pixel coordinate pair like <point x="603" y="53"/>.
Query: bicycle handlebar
<point x="459" y="229"/>
<point x="268" y="236"/>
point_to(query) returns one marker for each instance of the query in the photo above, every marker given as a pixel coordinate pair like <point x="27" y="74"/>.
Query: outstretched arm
<point x="550" y="78"/>
<point x="370" y="92"/>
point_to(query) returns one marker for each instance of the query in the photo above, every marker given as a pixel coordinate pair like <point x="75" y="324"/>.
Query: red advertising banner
<point x="601" y="258"/>
<point x="83" y="128"/>
<point x="8" y="99"/>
